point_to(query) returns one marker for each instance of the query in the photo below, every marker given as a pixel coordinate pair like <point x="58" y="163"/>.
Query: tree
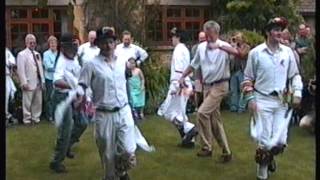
<point x="253" y="15"/>
<point x="121" y="14"/>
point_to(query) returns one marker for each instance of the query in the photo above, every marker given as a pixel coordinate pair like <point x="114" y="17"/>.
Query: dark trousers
<point x="48" y="107"/>
<point x="72" y="127"/>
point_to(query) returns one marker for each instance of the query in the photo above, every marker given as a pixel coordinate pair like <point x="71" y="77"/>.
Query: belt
<point x="216" y="82"/>
<point x="115" y="109"/>
<point x="273" y="93"/>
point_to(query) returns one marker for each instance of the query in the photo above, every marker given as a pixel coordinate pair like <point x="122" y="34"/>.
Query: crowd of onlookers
<point x="32" y="73"/>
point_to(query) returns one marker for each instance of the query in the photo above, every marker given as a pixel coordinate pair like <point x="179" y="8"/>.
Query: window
<point x="193" y="29"/>
<point x="42" y="22"/>
<point x="40" y="13"/>
<point x="41" y="31"/>
<point x="171" y="25"/>
<point x="187" y="18"/>
<point x="18" y="13"/>
<point x="154" y="24"/>
<point x="18" y="33"/>
<point x="173" y="12"/>
<point x="192" y="12"/>
<point x="57" y="28"/>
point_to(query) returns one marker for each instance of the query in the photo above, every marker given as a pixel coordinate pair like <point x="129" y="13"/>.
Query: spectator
<point x="32" y="81"/>
<point x="49" y="62"/>
<point x="303" y="41"/>
<point x="128" y="50"/>
<point x="136" y="90"/>
<point x="197" y="73"/>
<point x="238" y="64"/>
<point x="88" y="50"/>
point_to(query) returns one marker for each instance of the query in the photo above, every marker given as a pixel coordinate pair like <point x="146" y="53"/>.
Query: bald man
<point x="30" y="72"/>
<point x="88" y="50"/>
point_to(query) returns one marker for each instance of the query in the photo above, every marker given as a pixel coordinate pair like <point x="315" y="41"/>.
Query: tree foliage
<point x="253" y="15"/>
<point x="122" y="15"/>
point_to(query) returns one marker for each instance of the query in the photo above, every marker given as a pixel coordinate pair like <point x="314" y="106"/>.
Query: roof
<point x="307" y="6"/>
<point x="35" y="2"/>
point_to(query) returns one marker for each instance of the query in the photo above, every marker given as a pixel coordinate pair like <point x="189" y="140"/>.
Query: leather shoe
<point x="58" y="168"/>
<point x="204" y="153"/>
<point x="261" y="178"/>
<point x="272" y="167"/>
<point x="125" y="177"/>
<point x="188" y="137"/>
<point x="188" y="145"/>
<point x="70" y="154"/>
<point x="224" y="158"/>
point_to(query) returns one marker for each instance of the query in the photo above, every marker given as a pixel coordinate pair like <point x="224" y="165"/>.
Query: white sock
<point x="187" y="126"/>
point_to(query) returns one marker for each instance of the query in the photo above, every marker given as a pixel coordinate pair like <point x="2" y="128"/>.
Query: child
<point x="136" y="90"/>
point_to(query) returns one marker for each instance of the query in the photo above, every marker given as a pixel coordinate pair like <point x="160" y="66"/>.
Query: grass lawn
<point x="29" y="150"/>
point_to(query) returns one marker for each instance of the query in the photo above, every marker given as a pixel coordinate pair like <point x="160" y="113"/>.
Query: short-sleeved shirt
<point x="214" y="63"/>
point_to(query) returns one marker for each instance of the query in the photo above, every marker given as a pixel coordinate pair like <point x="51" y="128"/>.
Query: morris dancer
<point x="270" y="68"/>
<point x="174" y="106"/>
<point x="213" y="59"/>
<point x="64" y="79"/>
<point x="114" y="125"/>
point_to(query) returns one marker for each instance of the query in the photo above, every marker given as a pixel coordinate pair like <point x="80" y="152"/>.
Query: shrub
<point x="156" y="82"/>
<point x="253" y="38"/>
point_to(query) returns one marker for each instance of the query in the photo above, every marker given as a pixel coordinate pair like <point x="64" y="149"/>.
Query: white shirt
<point x="270" y="71"/>
<point x="10" y="60"/>
<point x="180" y="61"/>
<point x="107" y="81"/>
<point x="64" y="66"/>
<point x="131" y="51"/>
<point x="214" y="64"/>
<point x="87" y="52"/>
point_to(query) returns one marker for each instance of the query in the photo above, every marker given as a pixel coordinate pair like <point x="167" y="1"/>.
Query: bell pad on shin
<point x="263" y="157"/>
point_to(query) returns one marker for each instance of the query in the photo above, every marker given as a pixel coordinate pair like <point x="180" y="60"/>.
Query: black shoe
<point x="262" y="178"/>
<point x="272" y="167"/>
<point x="13" y="120"/>
<point x="224" y="158"/>
<point x="204" y="153"/>
<point x="188" y="137"/>
<point x="58" y="167"/>
<point x="188" y="145"/>
<point x="125" y="177"/>
<point x="70" y="154"/>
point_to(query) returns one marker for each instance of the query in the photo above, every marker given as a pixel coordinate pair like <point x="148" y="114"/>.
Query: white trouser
<point x="32" y="105"/>
<point x="10" y="90"/>
<point x="114" y="133"/>
<point x="271" y="126"/>
<point x="174" y="107"/>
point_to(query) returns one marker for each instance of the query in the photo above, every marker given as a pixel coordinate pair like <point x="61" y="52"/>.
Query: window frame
<point x="183" y="19"/>
<point x="30" y="21"/>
